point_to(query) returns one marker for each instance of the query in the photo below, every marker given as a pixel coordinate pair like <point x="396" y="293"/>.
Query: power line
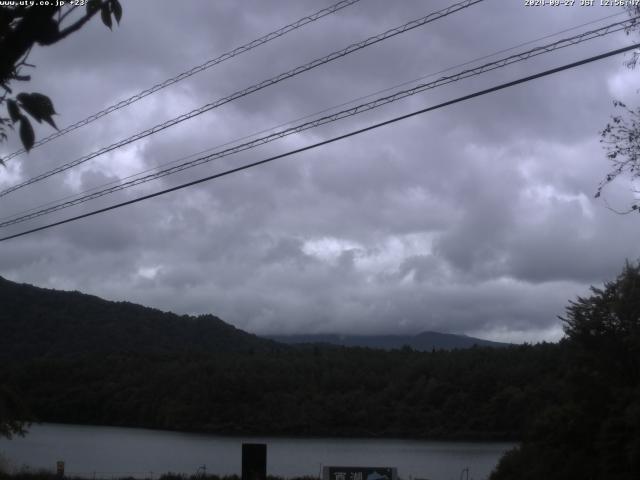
<point x="331" y="140"/>
<point x="254" y="88"/>
<point x="192" y="71"/>
<point x="290" y="122"/>
<point x="310" y="115"/>
<point x="337" y="116"/>
<point x="501" y="63"/>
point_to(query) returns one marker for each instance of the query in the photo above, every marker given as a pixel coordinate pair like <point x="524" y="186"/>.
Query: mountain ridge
<point x="423" y="341"/>
<point x="42" y="322"/>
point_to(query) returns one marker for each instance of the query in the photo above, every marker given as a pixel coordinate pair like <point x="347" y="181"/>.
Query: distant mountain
<point x="39" y="322"/>
<point x="425" y="341"/>
<point x="75" y="358"/>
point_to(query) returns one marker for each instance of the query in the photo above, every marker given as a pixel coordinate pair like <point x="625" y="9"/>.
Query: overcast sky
<point x="479" y="218"/>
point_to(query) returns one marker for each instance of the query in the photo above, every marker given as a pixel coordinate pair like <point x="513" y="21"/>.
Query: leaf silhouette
<point x="39" y="106"/>
<point x="105" y="14"/>
<point x="116" y="8"/>
<point x="14" y="110"/>
<point x="26" y="133"/>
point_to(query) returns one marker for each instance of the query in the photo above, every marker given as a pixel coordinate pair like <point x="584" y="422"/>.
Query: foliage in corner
<point x="22" y="27"/>
<point x="14" y="415"/>
<point x="621" y="136"/>
<point x="621" y="139"/>
<point x="593" y="431"/>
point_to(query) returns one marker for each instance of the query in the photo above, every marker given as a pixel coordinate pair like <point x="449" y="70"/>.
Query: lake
<point x="111" y="451"/>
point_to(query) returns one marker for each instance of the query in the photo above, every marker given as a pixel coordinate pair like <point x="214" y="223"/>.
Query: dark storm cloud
<point x="477" y="219"/>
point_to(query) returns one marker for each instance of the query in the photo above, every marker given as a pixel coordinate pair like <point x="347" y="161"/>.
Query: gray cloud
<point x="478" y="218"/>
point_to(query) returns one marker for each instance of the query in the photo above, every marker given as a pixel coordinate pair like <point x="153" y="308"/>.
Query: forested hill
<point x="39" y="322"/>
<point x="423" y="342"/>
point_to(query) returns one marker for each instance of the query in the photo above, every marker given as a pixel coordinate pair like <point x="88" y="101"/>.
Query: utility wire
<point x="192" y="71"/>
<point x="311" y="115"/>
<point x="576" y="39"/>
<point x="325" y="110"/>
<point x="254" y="88"/>
<point x="331" y="140"/>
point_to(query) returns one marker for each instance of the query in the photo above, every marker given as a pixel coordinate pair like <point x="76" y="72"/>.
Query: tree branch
<point x="20" y="39"/>
<point x="79" y="23"/>
<point x="65" y="14"/>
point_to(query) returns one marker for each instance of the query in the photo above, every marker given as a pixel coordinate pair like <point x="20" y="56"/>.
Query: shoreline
<point x="488" y="439"/>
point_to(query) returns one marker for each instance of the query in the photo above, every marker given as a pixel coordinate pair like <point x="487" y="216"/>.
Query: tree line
<point x="574" y="405"/>
<point x="479" y="393"/>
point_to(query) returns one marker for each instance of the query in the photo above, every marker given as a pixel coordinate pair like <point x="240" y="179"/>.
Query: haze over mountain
<point x="40" y="322"/>
<point x="424" y="342"/>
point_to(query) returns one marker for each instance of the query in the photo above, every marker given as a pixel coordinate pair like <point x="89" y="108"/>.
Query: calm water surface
<point x="111" y="451"/>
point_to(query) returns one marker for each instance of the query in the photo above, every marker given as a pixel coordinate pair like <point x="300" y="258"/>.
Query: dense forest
<point x="575" y="405"/>
<point x="591" y="428"/>
<point x="476" y="393"/>
<point x="77" y="358"/>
